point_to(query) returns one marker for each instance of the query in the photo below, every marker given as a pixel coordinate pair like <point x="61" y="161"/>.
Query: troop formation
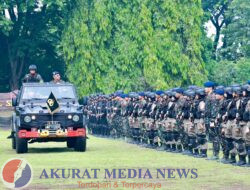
<point x="178" y="120"/>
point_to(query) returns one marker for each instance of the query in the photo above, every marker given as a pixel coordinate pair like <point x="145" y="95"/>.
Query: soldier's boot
<point x="190" y="151"/>
<point x="216" y="150"/>
<point x="232" y="159"/>
<point x="203" y="153"/>
<point x="225" y="158"/>
<point x="215" y="156"/>
<point x="178" y="148"/>
<point x="186" y="150"/>
<point x="167" y="147"/>
<point x="173" y="148"/>
<point x="242" y="160"/>
<point x="196" y="152"/>
<point x="248" y="163"/>
<point x="191" y="145"/>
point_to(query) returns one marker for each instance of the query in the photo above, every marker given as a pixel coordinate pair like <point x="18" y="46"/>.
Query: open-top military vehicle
<point x="47" y="112"/>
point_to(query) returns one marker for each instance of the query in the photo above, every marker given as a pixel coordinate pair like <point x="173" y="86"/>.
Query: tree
<point x="229" y="72"/>
<point x="133" y="45"/>
<point x="215" y="12"/>
<point x="30" y="32"/>
<point x="236" y="34"/>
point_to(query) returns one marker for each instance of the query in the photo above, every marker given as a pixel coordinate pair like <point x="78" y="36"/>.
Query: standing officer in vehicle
<point x="33" y="76"/>
<point x="56" y="78"/>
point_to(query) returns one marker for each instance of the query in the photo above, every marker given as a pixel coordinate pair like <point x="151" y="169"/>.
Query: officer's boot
<point x="242" y="160"/>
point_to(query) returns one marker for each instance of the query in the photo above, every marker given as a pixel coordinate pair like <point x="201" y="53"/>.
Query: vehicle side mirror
<point x="14" y="102"/>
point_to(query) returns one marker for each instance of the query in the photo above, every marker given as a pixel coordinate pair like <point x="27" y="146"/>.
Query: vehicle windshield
<point x="43" y="92"/>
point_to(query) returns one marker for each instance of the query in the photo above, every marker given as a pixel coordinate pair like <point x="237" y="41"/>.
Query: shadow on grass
<point x="50" y="150"/>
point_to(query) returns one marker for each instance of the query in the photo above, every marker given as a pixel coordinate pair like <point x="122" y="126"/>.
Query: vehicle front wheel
<point x="21" y="145"/>
<point x="80" y="144"/>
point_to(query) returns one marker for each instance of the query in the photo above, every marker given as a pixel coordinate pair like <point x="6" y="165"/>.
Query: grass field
<point x="108" y="153"/>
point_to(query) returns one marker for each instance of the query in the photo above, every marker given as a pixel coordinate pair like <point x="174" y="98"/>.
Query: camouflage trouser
<point x="238" y="133"/>
<point x="135" y="128"/>
<point x="178" y="134"/>
<point x="158" y="139"/>
<point x="200" y="133"/>
<point x="149" y="122"/>
<point x="143" y="130"/>
<point x="246" y="136"/>
<point x="188" y="134"/>
<point x="125" y="127"/>
<point x="169" y="124"/>
<point x="214" y="134"/>
<point x="246" y="133"/>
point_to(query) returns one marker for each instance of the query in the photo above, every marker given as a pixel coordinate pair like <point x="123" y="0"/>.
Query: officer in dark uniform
<point x="33" y="76"/>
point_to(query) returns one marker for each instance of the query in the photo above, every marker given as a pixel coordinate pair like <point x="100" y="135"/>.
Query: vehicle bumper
<point x="46" y="133"/>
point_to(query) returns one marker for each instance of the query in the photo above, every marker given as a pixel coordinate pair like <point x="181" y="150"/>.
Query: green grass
<point x="108" y="153"/>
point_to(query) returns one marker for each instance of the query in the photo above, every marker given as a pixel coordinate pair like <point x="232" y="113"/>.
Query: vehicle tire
<point x="21" y="145"/>
<point x="80" y="144"/>
<point x="71" y="142"/>
<point x="13" y="139"/>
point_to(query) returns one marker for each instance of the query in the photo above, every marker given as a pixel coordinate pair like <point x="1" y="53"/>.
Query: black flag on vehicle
<point x="52" y="104"/>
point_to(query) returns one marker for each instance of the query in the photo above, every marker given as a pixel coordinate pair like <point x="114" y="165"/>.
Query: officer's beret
<point x="219" y="91"/>
<point x="141" y="94"/>
<point x="209" y="84"/>
<point x="179" y="90"/>
<point x="123" y="95"/>
<point x="159" y="92"/>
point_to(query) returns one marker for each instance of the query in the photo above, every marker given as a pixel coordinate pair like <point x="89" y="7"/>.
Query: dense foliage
<point x="30" y="32"/>
<point x="134" y="45"/>
<point x="106" y="45"/>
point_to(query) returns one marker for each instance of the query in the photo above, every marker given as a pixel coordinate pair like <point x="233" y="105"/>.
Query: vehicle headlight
<point x="27" y="119"/>
<point x="33" y="117"/>
<point x="69" y="116"/>
<point x="76" y="118"/>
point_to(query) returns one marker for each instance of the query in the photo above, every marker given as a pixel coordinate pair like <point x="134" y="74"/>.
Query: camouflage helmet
<point x="32" y="67"/>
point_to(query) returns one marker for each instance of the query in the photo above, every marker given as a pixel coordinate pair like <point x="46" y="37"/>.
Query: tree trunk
<point x="16" y="66"/>
<point x="216" y="41"/>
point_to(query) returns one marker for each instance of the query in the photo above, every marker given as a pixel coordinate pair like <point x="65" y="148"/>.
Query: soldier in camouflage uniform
<point x="200" y="144"/>
<point x="178" y="129"/>
<point x="246" y="119"/>
<point x="33" y="76"/>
